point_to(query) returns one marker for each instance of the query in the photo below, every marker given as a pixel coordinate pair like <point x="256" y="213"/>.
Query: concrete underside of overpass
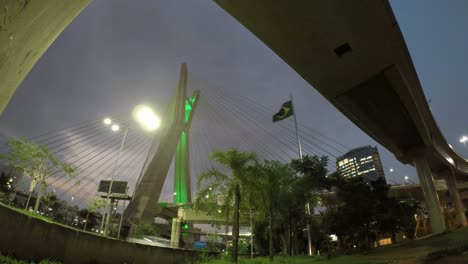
<point x="27" y="29"/>
<point x="354" y="54"/>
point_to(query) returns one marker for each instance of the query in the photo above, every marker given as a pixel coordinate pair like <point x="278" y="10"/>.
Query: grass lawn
<point x="450" y="248"/>
<point x="33" y="214"/>
<point x="301" y="260"/>
<point x="9" y="260"/>
<point x="435" y="248"/>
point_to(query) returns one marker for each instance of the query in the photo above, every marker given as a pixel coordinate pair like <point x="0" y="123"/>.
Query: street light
<point x="391" y="172"/>
<point x="406" y="179"/>
<point x="146" y="117"/>
<point x="114" y="128"/>
<point x="463" y="140"/>
<point x="148" y="120"/>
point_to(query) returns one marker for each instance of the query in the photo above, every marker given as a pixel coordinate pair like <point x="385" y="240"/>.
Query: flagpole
<point x="299" y="147"/>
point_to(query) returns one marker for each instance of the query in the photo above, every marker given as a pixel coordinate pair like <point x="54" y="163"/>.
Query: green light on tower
<point x="182" y="156"/>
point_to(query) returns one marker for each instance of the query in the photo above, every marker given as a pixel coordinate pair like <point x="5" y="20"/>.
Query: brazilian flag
<point x="285" y="112"/>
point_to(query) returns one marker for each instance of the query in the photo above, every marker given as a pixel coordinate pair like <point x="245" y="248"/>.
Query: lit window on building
<point x="364" y="162"/>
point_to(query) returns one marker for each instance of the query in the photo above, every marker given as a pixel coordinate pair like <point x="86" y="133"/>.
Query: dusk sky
<point x="121" y="53"/>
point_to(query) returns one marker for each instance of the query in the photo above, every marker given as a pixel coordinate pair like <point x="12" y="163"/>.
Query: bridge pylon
<point x="173" y="142"/>
<point x="182" y="184"/>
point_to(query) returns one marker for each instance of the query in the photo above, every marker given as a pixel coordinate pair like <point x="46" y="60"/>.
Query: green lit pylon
<point x="182" y="187"/>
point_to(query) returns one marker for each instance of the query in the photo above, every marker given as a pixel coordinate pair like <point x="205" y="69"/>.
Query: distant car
<point x="199" y="245"/>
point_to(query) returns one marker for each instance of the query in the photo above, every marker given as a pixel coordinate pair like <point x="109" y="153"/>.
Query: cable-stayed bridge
<point x="224" y="119"/>
<point x="353" y="54"/>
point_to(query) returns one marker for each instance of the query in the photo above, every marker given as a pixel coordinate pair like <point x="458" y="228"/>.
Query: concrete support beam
<point x="193" y="216"/>
<point x="431" y="197"/>
<point x="175" y="232"/>
<point x="455" y="198"/>
<point x="27" y="29"/>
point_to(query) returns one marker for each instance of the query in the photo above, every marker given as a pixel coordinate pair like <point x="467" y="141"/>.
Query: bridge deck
<point x="354" y="54"/>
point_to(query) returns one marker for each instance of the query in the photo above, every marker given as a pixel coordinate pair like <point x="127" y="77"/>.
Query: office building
<point x="363" y="161"/>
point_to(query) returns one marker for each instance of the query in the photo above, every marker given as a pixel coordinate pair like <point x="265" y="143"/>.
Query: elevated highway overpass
<point x="354" y="54"/>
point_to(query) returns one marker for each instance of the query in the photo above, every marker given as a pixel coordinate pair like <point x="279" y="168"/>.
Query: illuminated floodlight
<point x="146" y="117"/>
<point x="463" y="139"/>
<point x="115" y="127"/>
<point x="406" y="179"/>
<point x="391" y="170"/>
<point x="107" y="121"/>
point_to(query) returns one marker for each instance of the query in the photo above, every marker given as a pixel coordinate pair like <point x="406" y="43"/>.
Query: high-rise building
<point x="363" y="161"/>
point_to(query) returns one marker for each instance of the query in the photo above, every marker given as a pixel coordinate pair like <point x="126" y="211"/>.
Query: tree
<point x="281" y="198"/>
<point x="354" y="219"/>
<point x="144" y="230"/>
<point x="274" y="182"/>
<point x="38" y="162"/>
<point x="51" y="200"/>
<point x="307" y="188"/>
<point x="363" y="211"/>
<point x="5" y="185"/>
<point x="232" y="182"/>
<point x="393" y="215"/>
<point x="93" y="206"/>
<point x="314" y="172"/>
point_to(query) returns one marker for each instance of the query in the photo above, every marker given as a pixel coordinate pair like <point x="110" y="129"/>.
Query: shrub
<point x="10" y="260"/>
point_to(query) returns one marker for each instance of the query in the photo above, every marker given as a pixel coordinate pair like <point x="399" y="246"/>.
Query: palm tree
<point x="274" y="179"/>
<point x="231" y="182"/>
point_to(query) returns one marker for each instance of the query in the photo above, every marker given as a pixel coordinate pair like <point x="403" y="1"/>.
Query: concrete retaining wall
<point x="33" y="239"/>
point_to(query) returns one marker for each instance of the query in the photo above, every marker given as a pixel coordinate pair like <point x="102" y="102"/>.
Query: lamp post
<point x="251" y="235"/>
<point x="406" y="179"/>
<point x="149" y="121"/>
<point x="463" y="140"/>
<point x="114" y="128"/>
